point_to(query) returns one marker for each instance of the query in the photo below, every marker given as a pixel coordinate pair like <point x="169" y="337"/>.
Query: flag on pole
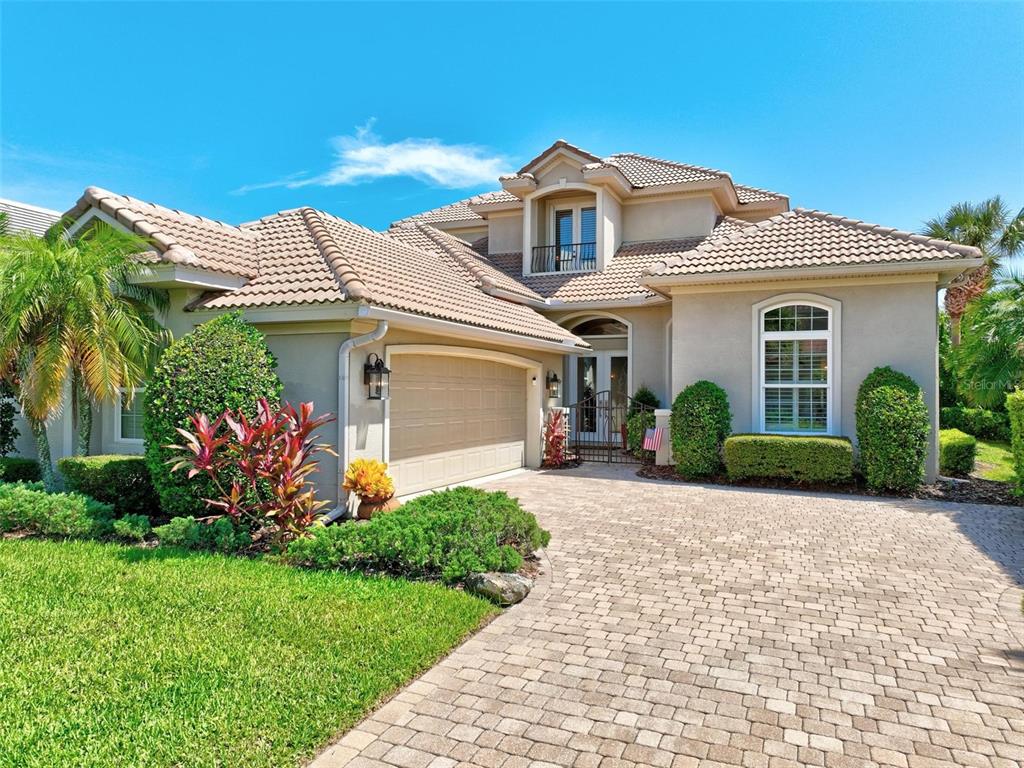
<point x="653" y="437"/>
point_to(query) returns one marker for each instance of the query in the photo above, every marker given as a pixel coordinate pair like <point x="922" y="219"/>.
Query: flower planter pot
<point x="370" y="507"/>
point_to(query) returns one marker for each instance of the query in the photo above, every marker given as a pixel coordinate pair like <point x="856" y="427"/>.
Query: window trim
<point x="833" y="337"/>
<point x="121" y="392"/>
<point x="576" y="209"/>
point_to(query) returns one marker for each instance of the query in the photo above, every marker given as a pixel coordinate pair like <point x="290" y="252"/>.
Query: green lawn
<point x="994" y="461"/>
<point x="114" y="656"/>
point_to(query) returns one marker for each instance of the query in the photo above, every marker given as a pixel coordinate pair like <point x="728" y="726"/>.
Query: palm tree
<point x="987" y="226"/>
<point x="69" y="308"/>
<point x="991" y="354"/>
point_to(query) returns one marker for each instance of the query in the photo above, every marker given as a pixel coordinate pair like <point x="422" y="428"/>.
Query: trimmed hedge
<point x="636" y="429"/>
<point x="956" y="452"/>
<point x="1015" y="408"/>
<point x="27" y="507"/>
<point x="701" y="421"/>
<point x="222" y="364"/>
<point x="643" y="399"/>
<point x="14" y="469"/>
<point x="802" y="459"/>
<point x="892" y="431"/>
<point x="219" y="535"/>
<point x="980" y="422"/>
<point x="451" y="534"/>
<point x="122" y="481"/>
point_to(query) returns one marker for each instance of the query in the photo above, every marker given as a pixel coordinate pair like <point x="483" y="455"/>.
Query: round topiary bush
<point x="892" y="430"/>
<point x="701" y="421"/>
<point x="224" y="363"/>
<point x="643" y="399"/>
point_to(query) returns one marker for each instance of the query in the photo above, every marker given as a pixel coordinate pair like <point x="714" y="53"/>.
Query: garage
<point x="453" y="419"/>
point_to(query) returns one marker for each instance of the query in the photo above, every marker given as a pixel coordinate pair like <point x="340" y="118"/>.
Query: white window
<point x="128" y="417"/>
<point x="796" y="366"/>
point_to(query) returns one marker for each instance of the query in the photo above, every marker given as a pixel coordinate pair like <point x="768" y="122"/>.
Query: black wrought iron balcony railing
<point x="568" y="257"/>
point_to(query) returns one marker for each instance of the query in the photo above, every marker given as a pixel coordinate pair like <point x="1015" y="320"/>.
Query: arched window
<point x="796" y="363"/>
<point x="600" y="326"/>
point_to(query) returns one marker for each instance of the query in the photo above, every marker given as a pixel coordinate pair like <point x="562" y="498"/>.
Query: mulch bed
<point x="972" y="490"/>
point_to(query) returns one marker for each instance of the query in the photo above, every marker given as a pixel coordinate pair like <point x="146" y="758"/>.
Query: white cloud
<point x="365" y="157"/>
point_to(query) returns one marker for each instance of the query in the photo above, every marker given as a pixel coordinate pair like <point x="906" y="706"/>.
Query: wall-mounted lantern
<point x="375" y="377"/>
<point x="554" y="385"/>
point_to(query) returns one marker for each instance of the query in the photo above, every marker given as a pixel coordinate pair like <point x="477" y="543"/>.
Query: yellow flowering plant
<point x="369" y="480"/>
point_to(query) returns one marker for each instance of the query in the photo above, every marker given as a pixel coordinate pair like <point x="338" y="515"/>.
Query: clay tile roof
<point x="468" y="262"/>
<point x="22" y="217"/>
<point x="620" y="280"/>
<point x="309" y="256"/>
<point x="642" y="171"/>
<point x="177" y="237"/>
<point x="460" y="210"/>
<point x="808" y="238"/>
<point x="559" y="144"/>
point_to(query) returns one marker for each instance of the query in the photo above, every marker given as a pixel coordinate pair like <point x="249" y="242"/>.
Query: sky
<point x="888" y="113"/>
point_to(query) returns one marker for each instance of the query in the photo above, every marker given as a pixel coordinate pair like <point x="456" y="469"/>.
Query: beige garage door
<point x="453" y="419"/>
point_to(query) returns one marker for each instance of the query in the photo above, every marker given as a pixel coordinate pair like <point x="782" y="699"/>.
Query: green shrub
<point x="643" y="399"/>
<point x="122" y="481"/>
<point x="803" y="459"/>
<point x="132" y="527"/>
<point x="892" y="431"/>
<point x="26" y="507"/>
<point x="223" y="364"/>
<point x="219" y="535"/>
<point x="701" y="421"/>
<point x="1015" y="408"/>
<point x="980" y="422"/>
<point x="636" y="428"/>
<point x="450" y="534"/>
<point x="882" y="377"/>
<point x="956" y="452"/>
<point x="14" y="469"/>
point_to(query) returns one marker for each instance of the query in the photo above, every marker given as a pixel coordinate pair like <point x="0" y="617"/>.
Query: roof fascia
<point x="182" y="276"/>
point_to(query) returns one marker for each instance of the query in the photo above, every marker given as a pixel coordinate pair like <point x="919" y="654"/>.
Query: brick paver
<point x="680" y="625"/>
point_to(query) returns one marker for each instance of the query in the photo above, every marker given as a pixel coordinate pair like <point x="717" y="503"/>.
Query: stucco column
<point x="663" y="456"/>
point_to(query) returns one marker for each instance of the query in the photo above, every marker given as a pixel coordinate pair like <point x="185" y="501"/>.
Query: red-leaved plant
<point x="260" y="468"/>
<point x="554" y="439"/>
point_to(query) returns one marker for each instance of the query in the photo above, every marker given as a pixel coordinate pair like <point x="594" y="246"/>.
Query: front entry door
<point x="601" y="372"/>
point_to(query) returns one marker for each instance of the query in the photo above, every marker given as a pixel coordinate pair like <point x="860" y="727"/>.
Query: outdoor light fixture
<point x="375" y="377"/>
<point x="554" y="385"/>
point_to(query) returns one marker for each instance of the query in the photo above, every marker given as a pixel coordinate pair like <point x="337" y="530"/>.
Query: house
<point x="581" y="275"/>
<point x="22" y="217"/>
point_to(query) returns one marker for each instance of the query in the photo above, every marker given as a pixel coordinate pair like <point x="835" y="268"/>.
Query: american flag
<point x="652" y="438"/>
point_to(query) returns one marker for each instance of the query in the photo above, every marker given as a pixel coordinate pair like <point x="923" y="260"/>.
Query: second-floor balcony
<point x="566" y="257"/>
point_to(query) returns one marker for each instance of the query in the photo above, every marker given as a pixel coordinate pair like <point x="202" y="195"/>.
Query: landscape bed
<point x="113" y="655"/>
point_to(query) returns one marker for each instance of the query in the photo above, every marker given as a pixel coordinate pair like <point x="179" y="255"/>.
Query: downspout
<point x="344" y="385"/>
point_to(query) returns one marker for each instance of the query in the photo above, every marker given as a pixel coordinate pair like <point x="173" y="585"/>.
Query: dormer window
<point x="575" y="241"/>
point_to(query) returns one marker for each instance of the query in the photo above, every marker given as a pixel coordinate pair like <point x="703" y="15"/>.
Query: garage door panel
<point x="453" y="419"/>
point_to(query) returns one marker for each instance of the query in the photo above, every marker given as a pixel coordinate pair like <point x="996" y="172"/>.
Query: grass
<point x="116" y="656"/>
<point x="994" y="461"/>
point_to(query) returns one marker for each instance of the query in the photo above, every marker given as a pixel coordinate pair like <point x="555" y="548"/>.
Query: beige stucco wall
<point x="649" y="348"/>
<point x="505" y="233"/>
<point x="554" y="173"/>
<point x="664" y="219"/>
<point x="888" y="324"/>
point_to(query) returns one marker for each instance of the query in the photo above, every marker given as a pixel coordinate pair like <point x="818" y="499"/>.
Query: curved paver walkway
<point x="680" y="625"/>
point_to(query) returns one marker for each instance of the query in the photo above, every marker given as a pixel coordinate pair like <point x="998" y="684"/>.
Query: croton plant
<point x="369" y="480"/>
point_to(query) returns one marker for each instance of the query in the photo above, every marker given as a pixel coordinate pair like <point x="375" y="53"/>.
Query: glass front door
<point x="601" y="420"/>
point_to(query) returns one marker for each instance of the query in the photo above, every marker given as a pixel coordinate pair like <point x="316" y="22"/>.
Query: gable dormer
<point x="570" y="223"/>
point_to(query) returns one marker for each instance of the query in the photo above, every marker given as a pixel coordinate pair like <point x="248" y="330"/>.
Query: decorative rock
<point x="501" y="588"/>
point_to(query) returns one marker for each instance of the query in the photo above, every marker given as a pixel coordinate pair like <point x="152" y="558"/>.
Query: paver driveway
<point x="678" y="625"/>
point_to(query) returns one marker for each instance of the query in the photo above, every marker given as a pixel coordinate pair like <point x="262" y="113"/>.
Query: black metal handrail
<point x="567" y="257"/>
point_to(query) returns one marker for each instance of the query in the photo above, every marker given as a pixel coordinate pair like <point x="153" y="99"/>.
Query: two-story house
<point x="582" y="278"/>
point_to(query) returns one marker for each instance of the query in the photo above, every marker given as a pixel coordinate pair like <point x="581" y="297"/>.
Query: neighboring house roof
<point x="460" y="210"/>
<point x="805" y="239"/>
<point x="310" y="257"/>
<point x="620" y="281"/>
<point x="178" y="237"/>
<point x="22" y="217"/>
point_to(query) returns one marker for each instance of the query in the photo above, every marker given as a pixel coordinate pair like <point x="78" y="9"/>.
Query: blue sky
<point x="888" y="113"/>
